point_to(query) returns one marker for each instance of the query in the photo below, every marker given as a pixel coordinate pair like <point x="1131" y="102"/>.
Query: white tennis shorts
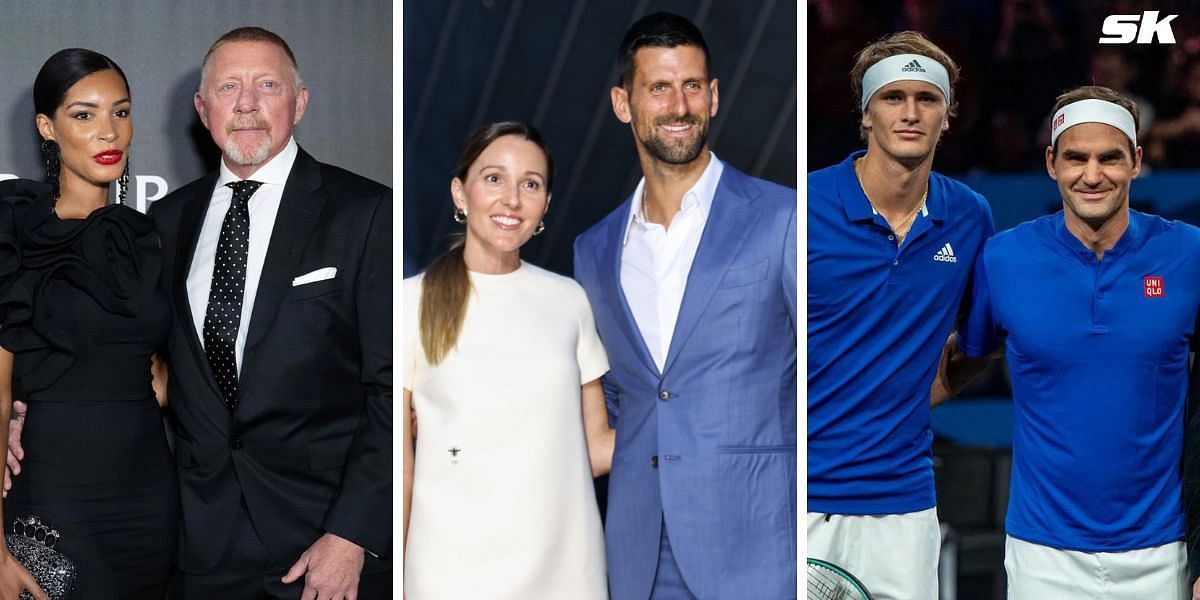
<point x="1036" y="572"/>
<point x="894" y="556"/>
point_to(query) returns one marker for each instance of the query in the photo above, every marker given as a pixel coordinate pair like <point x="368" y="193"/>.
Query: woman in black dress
<point x="81" y="316"/>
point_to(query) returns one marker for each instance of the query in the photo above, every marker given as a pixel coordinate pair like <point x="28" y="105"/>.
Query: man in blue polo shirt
<point x="890" y="249"/>
<point x="1096" y="307"/>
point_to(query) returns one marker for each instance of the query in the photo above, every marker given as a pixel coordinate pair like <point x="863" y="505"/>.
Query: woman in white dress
<point x="502" y="365"/>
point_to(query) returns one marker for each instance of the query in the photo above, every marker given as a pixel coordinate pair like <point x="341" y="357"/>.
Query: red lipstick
<point x="109" y="157"/>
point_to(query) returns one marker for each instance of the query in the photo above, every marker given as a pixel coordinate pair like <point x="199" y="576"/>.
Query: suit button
<point x="664" y="395"/>
<point x="654" y="461"/>
<point x="237" y="444"/>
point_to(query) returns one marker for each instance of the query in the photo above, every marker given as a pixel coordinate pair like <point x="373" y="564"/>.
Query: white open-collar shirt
<point x="656" y="261"/>
<point x="263" y="207"/>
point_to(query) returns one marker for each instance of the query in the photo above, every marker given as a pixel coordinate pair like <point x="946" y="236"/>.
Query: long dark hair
<point x="63" y="70"/>
<point x="446" y="285"/>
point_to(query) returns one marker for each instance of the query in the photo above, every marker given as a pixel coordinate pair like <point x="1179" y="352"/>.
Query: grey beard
<point x="258" y="155"/>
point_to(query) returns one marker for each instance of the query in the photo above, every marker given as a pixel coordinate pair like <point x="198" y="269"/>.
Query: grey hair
<point x="251" y="34"/>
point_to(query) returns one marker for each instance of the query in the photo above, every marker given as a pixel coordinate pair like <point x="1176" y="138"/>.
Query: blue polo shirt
<point x="878" y="317"/>
<point x="1098" y="356"/>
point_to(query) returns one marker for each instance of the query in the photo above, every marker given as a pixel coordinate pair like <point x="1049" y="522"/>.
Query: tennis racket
<point x="827" y="581"/>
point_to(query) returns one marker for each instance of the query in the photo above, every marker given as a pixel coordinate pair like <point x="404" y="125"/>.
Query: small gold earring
<point x="540" y="228"/>
<point x="460" y="216"/>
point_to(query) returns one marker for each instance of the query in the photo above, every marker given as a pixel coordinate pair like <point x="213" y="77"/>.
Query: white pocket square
<point x="319" y="275"/>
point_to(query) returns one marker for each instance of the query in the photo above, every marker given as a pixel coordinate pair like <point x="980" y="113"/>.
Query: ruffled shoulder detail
<point x="24" y="205"/>
<point x="112" y="256"/>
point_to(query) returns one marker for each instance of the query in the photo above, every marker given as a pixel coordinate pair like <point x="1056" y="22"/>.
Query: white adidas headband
<point x="1093" y="111"/>
<point x="904" y="67"/>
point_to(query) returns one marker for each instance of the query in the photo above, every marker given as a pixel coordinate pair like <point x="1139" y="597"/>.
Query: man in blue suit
<point x="693" y="284"/>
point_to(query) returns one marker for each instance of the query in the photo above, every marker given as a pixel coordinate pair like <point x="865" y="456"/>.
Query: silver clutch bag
<point x="32" y="543"/>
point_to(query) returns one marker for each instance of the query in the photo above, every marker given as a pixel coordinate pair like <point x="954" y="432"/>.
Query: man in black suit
<point x="279" y="269"/>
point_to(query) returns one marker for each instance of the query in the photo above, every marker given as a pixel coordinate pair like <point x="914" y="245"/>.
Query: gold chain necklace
<point x="904" y="225"/>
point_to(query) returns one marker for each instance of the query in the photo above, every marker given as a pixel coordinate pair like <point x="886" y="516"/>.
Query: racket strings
<point x="824" y="584"/>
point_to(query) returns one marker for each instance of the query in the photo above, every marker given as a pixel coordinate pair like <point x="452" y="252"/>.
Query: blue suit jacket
<point x="717" y="457"/>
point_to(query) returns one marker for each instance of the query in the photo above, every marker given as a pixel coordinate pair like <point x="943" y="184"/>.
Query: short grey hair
<point x="251" y="34"/>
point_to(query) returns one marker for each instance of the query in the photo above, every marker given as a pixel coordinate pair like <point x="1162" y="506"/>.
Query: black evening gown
<point x="81" y="310"/>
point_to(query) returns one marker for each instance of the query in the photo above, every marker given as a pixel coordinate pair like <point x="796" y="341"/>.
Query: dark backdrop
<point x="552" y="62"/>
<point x="344" y="51"/>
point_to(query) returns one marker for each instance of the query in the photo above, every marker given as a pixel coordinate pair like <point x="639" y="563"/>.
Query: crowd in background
<point x="1015" y="57"/>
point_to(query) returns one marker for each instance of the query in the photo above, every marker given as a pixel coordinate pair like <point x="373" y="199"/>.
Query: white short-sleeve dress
<point x="503" y="505"/>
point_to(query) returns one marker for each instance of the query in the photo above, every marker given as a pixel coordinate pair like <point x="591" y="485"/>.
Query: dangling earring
<point x="50" y="151"/>
<point x="123" y="184"/>
<point x="540" y="228"/>
<point x="460" y="216"/>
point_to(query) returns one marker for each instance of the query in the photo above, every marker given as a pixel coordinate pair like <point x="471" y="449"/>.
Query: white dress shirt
<point x="263" y="207"/>
<point x="656" y="261"/>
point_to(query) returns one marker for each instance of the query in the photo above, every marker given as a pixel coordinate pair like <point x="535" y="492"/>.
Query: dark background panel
<point x="344" y="52"/>
<point x="467" y="62"/>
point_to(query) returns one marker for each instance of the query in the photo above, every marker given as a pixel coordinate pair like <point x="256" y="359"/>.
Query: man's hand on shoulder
<point x="331" y="568"/>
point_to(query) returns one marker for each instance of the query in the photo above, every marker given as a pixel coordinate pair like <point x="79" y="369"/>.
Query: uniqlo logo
<point x="1152" y="287"/>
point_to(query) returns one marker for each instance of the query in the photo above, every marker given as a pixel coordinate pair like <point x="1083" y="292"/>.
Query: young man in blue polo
<point x="890" y="248"/>
<point x="1095" y="307"/>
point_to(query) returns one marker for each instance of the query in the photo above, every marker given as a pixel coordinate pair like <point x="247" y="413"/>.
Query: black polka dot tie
<point x="224" y="313"/>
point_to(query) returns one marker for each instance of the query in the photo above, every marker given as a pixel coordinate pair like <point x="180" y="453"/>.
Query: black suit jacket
<point x="309" y="445"/>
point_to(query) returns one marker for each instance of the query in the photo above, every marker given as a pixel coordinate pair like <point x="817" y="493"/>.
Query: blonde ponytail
<point x="444" y="293"/>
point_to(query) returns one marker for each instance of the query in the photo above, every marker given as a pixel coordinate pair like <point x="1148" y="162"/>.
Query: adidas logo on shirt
<point x="945" y="254"/>
<point x="913" y="66"/>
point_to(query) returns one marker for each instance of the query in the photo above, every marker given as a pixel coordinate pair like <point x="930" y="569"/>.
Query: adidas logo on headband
<point x="904" y="67"/>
